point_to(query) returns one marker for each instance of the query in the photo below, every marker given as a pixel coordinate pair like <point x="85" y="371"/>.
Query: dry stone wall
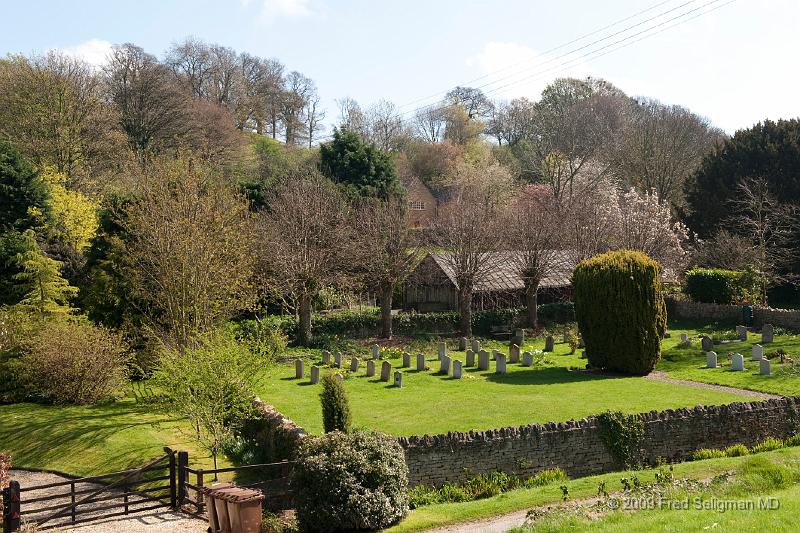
<point x="687" y="310"/>
<point x="577" y="448"/>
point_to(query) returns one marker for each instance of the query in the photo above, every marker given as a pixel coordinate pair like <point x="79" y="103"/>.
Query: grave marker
<point x="326" y="358"/>
<point x="495" y="353"/>
<point x="549" y="344"/>
<point x="476" y="345"/>
<point x="370" y="368"/>
<point x="737" y="362"/>
<point x="470" y="358"/>
<point x="444" y="365"/>
<point x="442" y="349"/>
<point x="706" y="343"/>
<point x="758" y="352"/>
<point x="420" y="361"/>
<point x="406" y="359"/>
<point x="527" y="359"/>
<point x="711" y="359"/>
<point x="513" y="354"/>
<point x="398" y="379"/>
<point x="767" y="334"/>
<point x="340" y="378"/>
<point x="337" y="360"/>
<point x="314" y="374"/>
<point x="462" y="344"/>
<point x="684" y="337"/>
<point x="741" y="331"/>
<point x="483" y="360"/>
<point x="765" y="367"/>
<point x="500" y="367"/>
<point x="386" y="370"/>
<point x="376" y="351"/>
<point x="457" y="370"/>
<point x="298" y="369"/>
<point x="354" y="364"/>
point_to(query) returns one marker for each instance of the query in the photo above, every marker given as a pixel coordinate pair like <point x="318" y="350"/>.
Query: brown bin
<point x="217" y="522"/>
<point x="238" y="510"/>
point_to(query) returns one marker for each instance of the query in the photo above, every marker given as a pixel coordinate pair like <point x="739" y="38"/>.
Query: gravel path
<point x="657" y="375"/>
<point x="497" y="524"/>
<point x="156" y="520"/>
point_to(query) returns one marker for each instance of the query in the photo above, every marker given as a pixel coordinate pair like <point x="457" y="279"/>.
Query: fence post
<point x="200" y="498"/>
<point x="173" y="493"/>
<point x="72" y="500"/>
<point x="11" y="507"/>
<point x="183" y="464"/>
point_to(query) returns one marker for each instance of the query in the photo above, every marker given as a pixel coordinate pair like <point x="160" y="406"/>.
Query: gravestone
<point x="298" y="369"/>
<point x="337" y="360"/>
<point x="737" y="362"/>
<point x="767" y="334"/>
<point x="483" y="360"/>
<point x="406" y="359"/>
<point x="326" y="358"/>
<point x="549" y="344"/>
<point x="444" y="365"/>
<point x="527" y="359"/>
<point x="420" y="361"/>
<point x="370" y="368"/>
<point x="376" y="351"/>
<point x="314" y="374"/>
<point x="758" y="352"/>
<point x="500" y="366"/>
<point x="470" y="358"/>
<point x="495" y="353"/>
<point x="476" y="345"/>
<point x="340" y="378"/>
<point x="513" y="354"/>
<point x="706" y="343"/>
<point x="711" y="359"/>
<point x="765" y="367"/>
<point x="457" y="370"/>
<point x="741" y="331"/>
<point x="386" y="370"/>
<point x="565" y="338"/>
<point x="684" y="337"/>
<point x="462" y="344"/>
<point x="398" y="379"/>
<point x="442" y="349"/>
<point x="519" y="337"/>
<point x="354" y="364"/>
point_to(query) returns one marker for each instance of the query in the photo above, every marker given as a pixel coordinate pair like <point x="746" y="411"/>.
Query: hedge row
<point x="714" y="285"/>
<point x="366" y="323"/>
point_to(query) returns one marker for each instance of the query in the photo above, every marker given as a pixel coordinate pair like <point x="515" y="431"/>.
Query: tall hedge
<point x="716" y="285"/>
<point x="620" y="311"/>
<point x="336" y="415"/>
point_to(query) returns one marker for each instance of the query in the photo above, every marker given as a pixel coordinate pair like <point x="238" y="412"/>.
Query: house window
<point x="416" y="205"/>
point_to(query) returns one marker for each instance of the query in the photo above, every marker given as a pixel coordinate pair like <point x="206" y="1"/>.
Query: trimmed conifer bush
<point x="335" y="405"/>
<point x="350" y="482"/>
<point x="620" y="311"/>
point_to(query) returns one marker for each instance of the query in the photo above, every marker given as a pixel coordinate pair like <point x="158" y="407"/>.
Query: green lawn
<point x="690" y="363"/>
<point x="92" y="440"/>
<point x="431" y="403"/>
<point x="767" y="474"/>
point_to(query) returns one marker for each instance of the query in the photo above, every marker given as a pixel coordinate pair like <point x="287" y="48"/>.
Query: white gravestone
<point x="326" y="358"/>
<point x="483" y="360"/>
<point x="442" y="349"/>
<point x="298" y="369"/>
<point x="420" y="361"/>
<point x="758" y="352"/>
<point x="314" y="375"/>
<point x="765" y="367"/>
<point x="470" y="358"/>
<point x="501" y="364"/>
<point x="370" y="368"/>
<point x="767" y="334"/>
<point x="495" y="353"/>
<point x="513" y="354"/>
<point x="444" y="365"/>
<point x="527" y="359"/>
<point x="457" y="370"/>
<point x="711" y="360"/>
<point x="737" y="362"/>
<point x="476" y="345"/>
<point x="398" y="379"/>
<point x="406" y="359"/>
<point x="386" y="370"/>
<point x="354" y="364"/>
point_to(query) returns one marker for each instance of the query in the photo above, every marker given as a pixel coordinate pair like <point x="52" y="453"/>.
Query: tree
<point x="472" y="101"/>
<point x="389" y="249"/>
<point x="314" y="117"/>
<point x="336" y="415"/>
<point x="352" y="117"/>
<point x="190" y="249"/>
<point x="467" y="229"/>
<point x="22" y="192"/>
<point x="308" y="236"/>
<point x="433" y="162"/>
<point x="429" y="123"/>
<point x="298" y="91"/>
<point x="512" y="121"/>
<point x="44" y="290"/>
<point x="359" y="167"/>
<point x="534" y="230"/>
<point x="592" y="218"/>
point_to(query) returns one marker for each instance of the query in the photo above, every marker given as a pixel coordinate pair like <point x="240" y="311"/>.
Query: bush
<point x="622" y="434"/>
<point x="707" y="453"/>
<point x="737" y="450"/>
<point x="716" y="285"/>
<point x="620" y="311"/>
<point x="335" y="405"/>
<point x="794" y="440"/>
<point x="76" y="362"/>
<point x="767" y="445"/>
<point x="262" y="338"/>
<point x="546" y="477"/>
<point x="350" y="481"/>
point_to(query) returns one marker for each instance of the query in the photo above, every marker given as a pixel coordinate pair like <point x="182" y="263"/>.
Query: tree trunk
<point x="465" y="310"/>
<point x="386" y="293"/>
<point x="532" y="303"/>
<point x="304" y="332"/>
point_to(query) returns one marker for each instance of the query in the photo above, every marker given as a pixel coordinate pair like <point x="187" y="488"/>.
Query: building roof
<point x="503" y="274"/>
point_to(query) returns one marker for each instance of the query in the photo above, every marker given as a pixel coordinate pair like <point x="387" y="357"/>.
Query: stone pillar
<point x="370" y="368"/>
<point x="483" y="360"/>
<point x="444" y="365"/>
<point x="398" y="379"/>
<point x="470" y="358"/>
<point x="513" y="354"/>
<point x="737" y="362"/>
<point x="706" y="343"/>
<point x="354" y="364"/>
<point x="527" y="359"/>
<point x="326" y="358"/>
<point x="758" y="352"/>
<point x="765" y="367"/>
<point x="549" y="343"/>
<point x="767" y="334"/>
<point x="298" y="369"/>
<point x="711" y="360"/>
<point x="501" y="364"/>
<point x="386" y="370"/>
<point x="420" y="361"/>
<point x="314" y="375"/>
<point x="406" y="359"/>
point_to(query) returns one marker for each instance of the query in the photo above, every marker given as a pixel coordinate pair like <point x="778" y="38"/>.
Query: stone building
<point x="422" y="204"/>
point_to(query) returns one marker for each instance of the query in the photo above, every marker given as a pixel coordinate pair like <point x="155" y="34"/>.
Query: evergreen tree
<point x="24" y="197"/>
<point x="336" y="414"/>
<point x="359" y="167"/>
<point x="44" y="290"/>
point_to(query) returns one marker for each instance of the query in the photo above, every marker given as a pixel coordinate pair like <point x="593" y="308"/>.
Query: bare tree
<point x="726" y="250"/>
<point x="314" y="117"/>
<point x="467" y="230"/>
<point x="390" y="250"/>
<point x="512" y="121"/>
<point x="386" y="128"/>
<point x="592" y="218"/>
<point x="190" y="249"/>
<point x="352" y="117"/>
<point x="771" y="226"/>
<point x="429" y="123"/>
<point x="308" y="238"/>
<point x="299" y="89"/>
<point x="535" y="236"/>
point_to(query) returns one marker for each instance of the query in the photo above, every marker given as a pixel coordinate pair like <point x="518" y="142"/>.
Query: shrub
<point x="794" y="440"/>
<point x="422" y="495"/>
<point x="716" y="285"/>
<point x="767" y="445"/>
<point x="490" y="484"/>
<point x="622" y="435"/>
<point x="261" y="337"/>
<point x="707" y="453"/>
<point x="737" y="450"/>
<point x="546" y="477"/>
<point x="620" y="311"/>
<point x="76" y="362"/>
<point x="350" y="481"/>
<point x="335" y="405"/>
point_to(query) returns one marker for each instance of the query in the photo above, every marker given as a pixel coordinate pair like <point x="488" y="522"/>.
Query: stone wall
<point x="276" y="433"/>
<point x="577" y="448"/>
<point x="688" y="310"/>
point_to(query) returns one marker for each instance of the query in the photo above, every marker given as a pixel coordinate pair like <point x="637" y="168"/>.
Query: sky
<point x="735" y="63"/>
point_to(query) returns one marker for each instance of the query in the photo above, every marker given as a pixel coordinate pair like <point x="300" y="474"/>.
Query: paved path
<point x="657" y="375"/>
<point x="157" y="520"/>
